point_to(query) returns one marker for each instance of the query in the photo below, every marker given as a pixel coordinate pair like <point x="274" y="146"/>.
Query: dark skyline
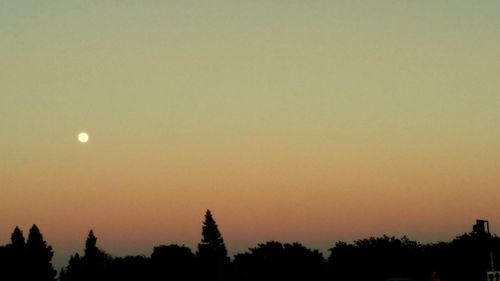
<point x="310" y="121"/>
<point x="467" y="257"/>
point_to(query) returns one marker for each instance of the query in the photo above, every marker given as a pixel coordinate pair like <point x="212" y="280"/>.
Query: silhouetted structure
<point x="481" y="227"/>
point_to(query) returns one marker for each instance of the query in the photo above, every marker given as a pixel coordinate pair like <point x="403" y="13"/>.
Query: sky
<point x="310" y="121"/>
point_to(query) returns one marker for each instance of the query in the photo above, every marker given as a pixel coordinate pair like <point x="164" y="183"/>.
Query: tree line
<point x="467" y="257"/>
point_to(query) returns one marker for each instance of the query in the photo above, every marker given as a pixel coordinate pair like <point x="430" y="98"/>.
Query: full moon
<point x="83" y="137"/>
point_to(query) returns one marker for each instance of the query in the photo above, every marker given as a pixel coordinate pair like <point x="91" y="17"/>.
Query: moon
<point x="83" y="137"/>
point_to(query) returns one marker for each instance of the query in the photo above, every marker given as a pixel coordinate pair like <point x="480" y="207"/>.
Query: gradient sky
<point x="310" y="121"/>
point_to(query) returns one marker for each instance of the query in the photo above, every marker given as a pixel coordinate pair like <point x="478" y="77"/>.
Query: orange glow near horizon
<point x="310" y="122"/>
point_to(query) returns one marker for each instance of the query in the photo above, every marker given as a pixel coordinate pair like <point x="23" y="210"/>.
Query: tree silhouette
<point x="16" y="251"/>
<point x="62" y="275"/>
<point x="39" y="257"/>
<point x="95" y="261"/>
<point x="212" y="244"/>
<point x="131" y="268"/>
<point x="212" y="252"/>
<point x="13" y="258"/>
<point x="3" y="263"/>
<point x="173" y="262"/>
<point x="276" y="261"/>
<point x="74" y="270"/>
<point x="17" y="239"/>
<point x="464" y="258"/>
<point x="470" y="254"/>
<point x="92" y="266"/>
<point x="91" y="244"/>
<point x="378" y="259"/>
<point x="31" y="260"/>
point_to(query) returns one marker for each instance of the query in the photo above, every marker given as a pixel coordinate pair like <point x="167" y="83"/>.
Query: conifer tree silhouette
<point x="92" y="265"/>
<point x="17" y="239"/>
<point x="212" y="252"/>
<point x="212" y="244"/>
<point x="13" y="259"/>
<point x="91" y="250"/>
<point x="17" y="246"/>
<point x="39" y="256"/>
<point x="74" y="269"/>
<point x="95" y="261"/>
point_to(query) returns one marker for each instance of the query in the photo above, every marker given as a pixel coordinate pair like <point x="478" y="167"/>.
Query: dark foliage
<point x="39" y="256"/>
<point x="131" y="268"/>
<point x="377" y="259"/>
<point x="93" y="266"/>
<point x="465" y="258"/>
<point x="173" y="262"/>
<point x="29" y="260"/>
<point x="15" y="257"/>
<point x="277" y="261"/>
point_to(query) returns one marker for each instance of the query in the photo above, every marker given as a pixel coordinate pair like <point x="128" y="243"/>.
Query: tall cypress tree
<point x="212" y="252"/>
<point x="39" y="256"/>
